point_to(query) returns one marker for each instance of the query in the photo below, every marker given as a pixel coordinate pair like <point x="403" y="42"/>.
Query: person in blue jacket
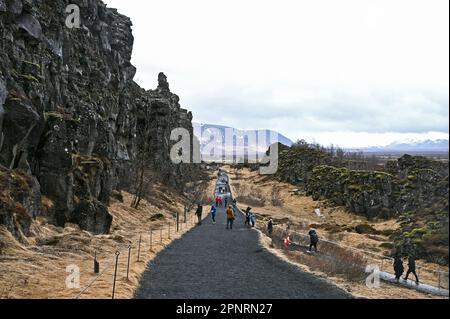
<point x="213" y="213"/>
<point x="253" y="219"/>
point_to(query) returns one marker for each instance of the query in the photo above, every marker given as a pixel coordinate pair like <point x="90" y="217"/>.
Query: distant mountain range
<point x="412" y="146"/>
<point x="243" y="144"/>
<point x="245" y="141"/>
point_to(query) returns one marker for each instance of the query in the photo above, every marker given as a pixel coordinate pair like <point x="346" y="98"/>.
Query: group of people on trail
<point x="219" y="201"/>
<point x="313" y="237"/>
<point x="223" y="202"/>
<point x="399" y="269"/>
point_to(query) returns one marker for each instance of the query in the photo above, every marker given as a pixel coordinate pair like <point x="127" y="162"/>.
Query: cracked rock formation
<point x="71" y="114"/>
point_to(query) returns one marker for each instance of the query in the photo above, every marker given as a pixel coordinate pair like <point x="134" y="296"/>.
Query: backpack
<point x="315" y="237"/>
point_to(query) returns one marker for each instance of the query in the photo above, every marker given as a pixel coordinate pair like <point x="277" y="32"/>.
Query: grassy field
<point x="38" y="268"/>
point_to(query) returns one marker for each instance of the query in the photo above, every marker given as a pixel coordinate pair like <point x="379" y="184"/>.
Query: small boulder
<point x="92" y="216"/>
<point x="365" y="229"/>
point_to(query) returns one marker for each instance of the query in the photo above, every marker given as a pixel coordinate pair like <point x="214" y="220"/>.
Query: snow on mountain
<point x="241" y="142"/>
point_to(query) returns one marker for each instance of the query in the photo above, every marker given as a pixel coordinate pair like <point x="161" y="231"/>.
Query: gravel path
<point x="211" y="262"/>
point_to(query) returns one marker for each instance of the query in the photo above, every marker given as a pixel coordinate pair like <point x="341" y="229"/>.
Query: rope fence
<point x="120" y="263"/>
<point x="429" y="276"/>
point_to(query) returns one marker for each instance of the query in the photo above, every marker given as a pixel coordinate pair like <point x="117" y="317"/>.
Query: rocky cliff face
<point x="71" y="116"/>
<point x="412" y="189"/>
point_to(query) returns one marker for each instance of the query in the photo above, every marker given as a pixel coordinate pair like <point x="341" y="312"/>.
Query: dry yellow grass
<point x="37" y="269"/>
<point x="298" y="212"/>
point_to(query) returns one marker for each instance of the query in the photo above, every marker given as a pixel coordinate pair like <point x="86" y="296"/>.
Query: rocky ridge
<point x="71" y="117"/>
<point x="412" y="189"/>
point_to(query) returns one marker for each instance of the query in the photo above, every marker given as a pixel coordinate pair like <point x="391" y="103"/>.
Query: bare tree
<point x="276" y="197"/>
<point x="195" y="193"/>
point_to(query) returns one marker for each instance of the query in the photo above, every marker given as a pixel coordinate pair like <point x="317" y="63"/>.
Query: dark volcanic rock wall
<point x="70" y="112"/>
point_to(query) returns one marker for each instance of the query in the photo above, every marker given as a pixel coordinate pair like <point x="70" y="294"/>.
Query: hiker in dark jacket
<point x="412" y="269"/>
<point x="213" y="213"/>
<point x="247" y="216"/>
<point x="398" y="268"/>
<point x="314" y="240"/>
<point x="199" y="213"/>
<point x="270" y="227"/>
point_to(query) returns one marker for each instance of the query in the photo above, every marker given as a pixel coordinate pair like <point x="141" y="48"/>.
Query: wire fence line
<point x="155" y="237"/>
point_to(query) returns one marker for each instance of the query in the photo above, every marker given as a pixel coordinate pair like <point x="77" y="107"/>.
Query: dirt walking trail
<point x="211" y="262"/>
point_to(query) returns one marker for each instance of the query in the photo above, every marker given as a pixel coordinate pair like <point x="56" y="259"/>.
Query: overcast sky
<point x="348" y="72"/>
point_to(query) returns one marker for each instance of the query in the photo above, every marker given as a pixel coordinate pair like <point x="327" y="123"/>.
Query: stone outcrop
<point x="412" y="189"/>
<point x="19" y="201"/>
<point x="296" y="164"/>
<point x="71" y="115"/>
<point x="372" y="194"/>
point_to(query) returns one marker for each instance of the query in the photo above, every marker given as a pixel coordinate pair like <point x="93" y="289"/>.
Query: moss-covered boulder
<point x="372" y="194"/>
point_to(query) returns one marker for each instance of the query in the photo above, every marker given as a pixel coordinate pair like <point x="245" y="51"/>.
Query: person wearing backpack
<point x="412" y="268"/>
<point x="270" y="227"/>
<point x="213" y="213"/>
<point x="230" y="218"/>
<point x="314" y="240"/>
<point x="247" y="216"/>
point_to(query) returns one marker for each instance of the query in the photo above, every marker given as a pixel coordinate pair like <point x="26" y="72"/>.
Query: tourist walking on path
<point x="314" y="240"/>
<point x="199" y="213"/>
<point x="270" y="227"/>
<point x="217" y="201"/>
<point x="412" y="269"/>
<point x="230" y="218"/>
<point x="247" y="216"/>
<point x="253" y="219"/>
<point x="398" y="268"/>
<point x="213" y="213"/>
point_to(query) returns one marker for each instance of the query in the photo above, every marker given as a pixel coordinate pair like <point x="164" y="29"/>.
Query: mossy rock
<point x="53" y="116"/>
<point x="365" y="229"/>
<point x="387" y="232"/>
<point x="157" y="217"/>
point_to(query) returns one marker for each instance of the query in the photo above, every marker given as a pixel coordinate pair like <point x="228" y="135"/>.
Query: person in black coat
<point x="398" y="268"/>
<point x="270" y="227"/>
<point x="247" y="216"/>
<point x="412" y="268"/>
<point x="314" y="240"/>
